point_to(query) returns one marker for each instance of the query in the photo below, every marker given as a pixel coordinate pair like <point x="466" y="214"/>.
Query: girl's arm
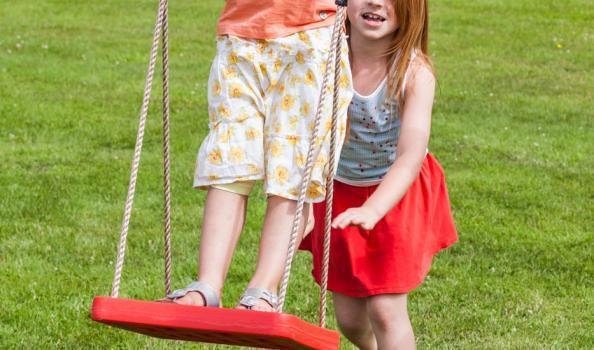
<point x="412" y="145"/>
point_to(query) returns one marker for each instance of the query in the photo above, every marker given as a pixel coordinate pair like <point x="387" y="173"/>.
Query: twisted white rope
<point x="137" y="150"/>
<point x="166" y="163"/>
<point x="330" y="179"/>
<point x="334" y="56"/>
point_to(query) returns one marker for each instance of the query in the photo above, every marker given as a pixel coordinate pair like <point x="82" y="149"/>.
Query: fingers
<point x="350" y="217"/>
<point x="341" y="220"/>
<point x="359" y="216"/>
<point x="367" y="226"/>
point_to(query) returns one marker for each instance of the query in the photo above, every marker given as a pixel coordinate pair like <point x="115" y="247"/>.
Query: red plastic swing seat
<point x="213" y="325"/>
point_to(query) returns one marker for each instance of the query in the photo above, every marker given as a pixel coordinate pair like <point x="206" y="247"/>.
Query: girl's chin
<point x="372" y="34"/>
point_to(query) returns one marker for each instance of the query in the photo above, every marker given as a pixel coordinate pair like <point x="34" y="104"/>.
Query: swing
<point x="220" y="325"/>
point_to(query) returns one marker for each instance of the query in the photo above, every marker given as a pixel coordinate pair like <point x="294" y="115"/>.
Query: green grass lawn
<point x="513" y="128"/>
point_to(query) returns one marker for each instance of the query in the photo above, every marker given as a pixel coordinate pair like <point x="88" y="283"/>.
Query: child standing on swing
<point x="263" y="93"/>
<point x="391" y="208"/>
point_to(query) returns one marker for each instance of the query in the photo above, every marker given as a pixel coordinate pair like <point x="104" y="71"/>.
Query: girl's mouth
<point x="372" y="18"/>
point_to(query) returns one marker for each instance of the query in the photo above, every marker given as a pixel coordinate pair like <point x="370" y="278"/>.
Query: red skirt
<point x="395" y="256"/>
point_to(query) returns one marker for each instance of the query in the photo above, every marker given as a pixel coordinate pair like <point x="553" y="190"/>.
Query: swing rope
<point x="313" y="152"/>
<point x="161" y="27"/>
<point x="332" y="164"/>
<point x="166" y="165"/>
<point x="115" y="290"/>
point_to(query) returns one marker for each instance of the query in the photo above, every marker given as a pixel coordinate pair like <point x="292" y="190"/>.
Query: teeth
<point x="373" y="16"/>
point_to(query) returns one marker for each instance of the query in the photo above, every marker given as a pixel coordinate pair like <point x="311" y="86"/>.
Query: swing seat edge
<point x="212" y="325"/>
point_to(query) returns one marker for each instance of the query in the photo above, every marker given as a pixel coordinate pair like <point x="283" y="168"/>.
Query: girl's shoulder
<point x="420" y="73"/>
<point x="421" y="66"/>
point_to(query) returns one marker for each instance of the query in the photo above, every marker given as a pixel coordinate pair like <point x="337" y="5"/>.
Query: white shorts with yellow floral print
<point x="262" y="101"/>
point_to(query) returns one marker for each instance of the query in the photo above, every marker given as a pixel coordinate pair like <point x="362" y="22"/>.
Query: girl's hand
<point x="365" y="217"/>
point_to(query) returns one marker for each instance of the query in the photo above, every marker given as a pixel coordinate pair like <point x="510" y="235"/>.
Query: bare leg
<point x="389" y="319"/>
<point x="274" y="244"/>
<point x="353" y="320"/>
<point x="220" y="232"/>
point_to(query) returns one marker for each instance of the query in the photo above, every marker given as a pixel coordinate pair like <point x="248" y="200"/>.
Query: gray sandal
<point x="252" y="296"/>
<point x="211" y="298"/>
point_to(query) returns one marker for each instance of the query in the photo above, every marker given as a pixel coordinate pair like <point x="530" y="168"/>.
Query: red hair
<point x="412" y="17"/>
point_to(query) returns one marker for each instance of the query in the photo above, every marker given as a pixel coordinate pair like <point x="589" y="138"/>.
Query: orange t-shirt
<point x="268" y="19"/>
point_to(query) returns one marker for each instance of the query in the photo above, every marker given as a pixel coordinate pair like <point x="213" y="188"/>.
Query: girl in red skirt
<point x="391" y="208"/>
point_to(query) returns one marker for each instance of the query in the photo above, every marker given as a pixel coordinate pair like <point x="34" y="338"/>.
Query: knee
<point x="352" y="328"/>
<point x="358" y="331"/>
<point x="393" y="320"/>
<point x="382" y="320"/>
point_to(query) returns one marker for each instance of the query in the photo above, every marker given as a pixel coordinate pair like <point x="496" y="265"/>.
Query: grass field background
<point x="513" y="128"/>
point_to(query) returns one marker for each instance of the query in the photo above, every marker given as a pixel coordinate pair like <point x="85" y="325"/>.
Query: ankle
<point x="267" y="285"/>
<point x="215" y="284"/>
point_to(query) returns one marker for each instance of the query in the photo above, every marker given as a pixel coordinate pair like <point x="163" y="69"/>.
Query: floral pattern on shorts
<point x="262" y="97"/>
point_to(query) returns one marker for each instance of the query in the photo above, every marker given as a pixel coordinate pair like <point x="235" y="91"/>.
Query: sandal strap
<point x="208" y="293"/>
<point x="251" y="297"/>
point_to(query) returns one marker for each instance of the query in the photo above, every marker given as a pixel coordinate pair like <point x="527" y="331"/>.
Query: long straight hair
<point x="412" y="34"/>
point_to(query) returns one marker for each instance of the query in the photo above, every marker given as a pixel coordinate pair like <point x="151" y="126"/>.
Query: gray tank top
<point x="374" y="131"/>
